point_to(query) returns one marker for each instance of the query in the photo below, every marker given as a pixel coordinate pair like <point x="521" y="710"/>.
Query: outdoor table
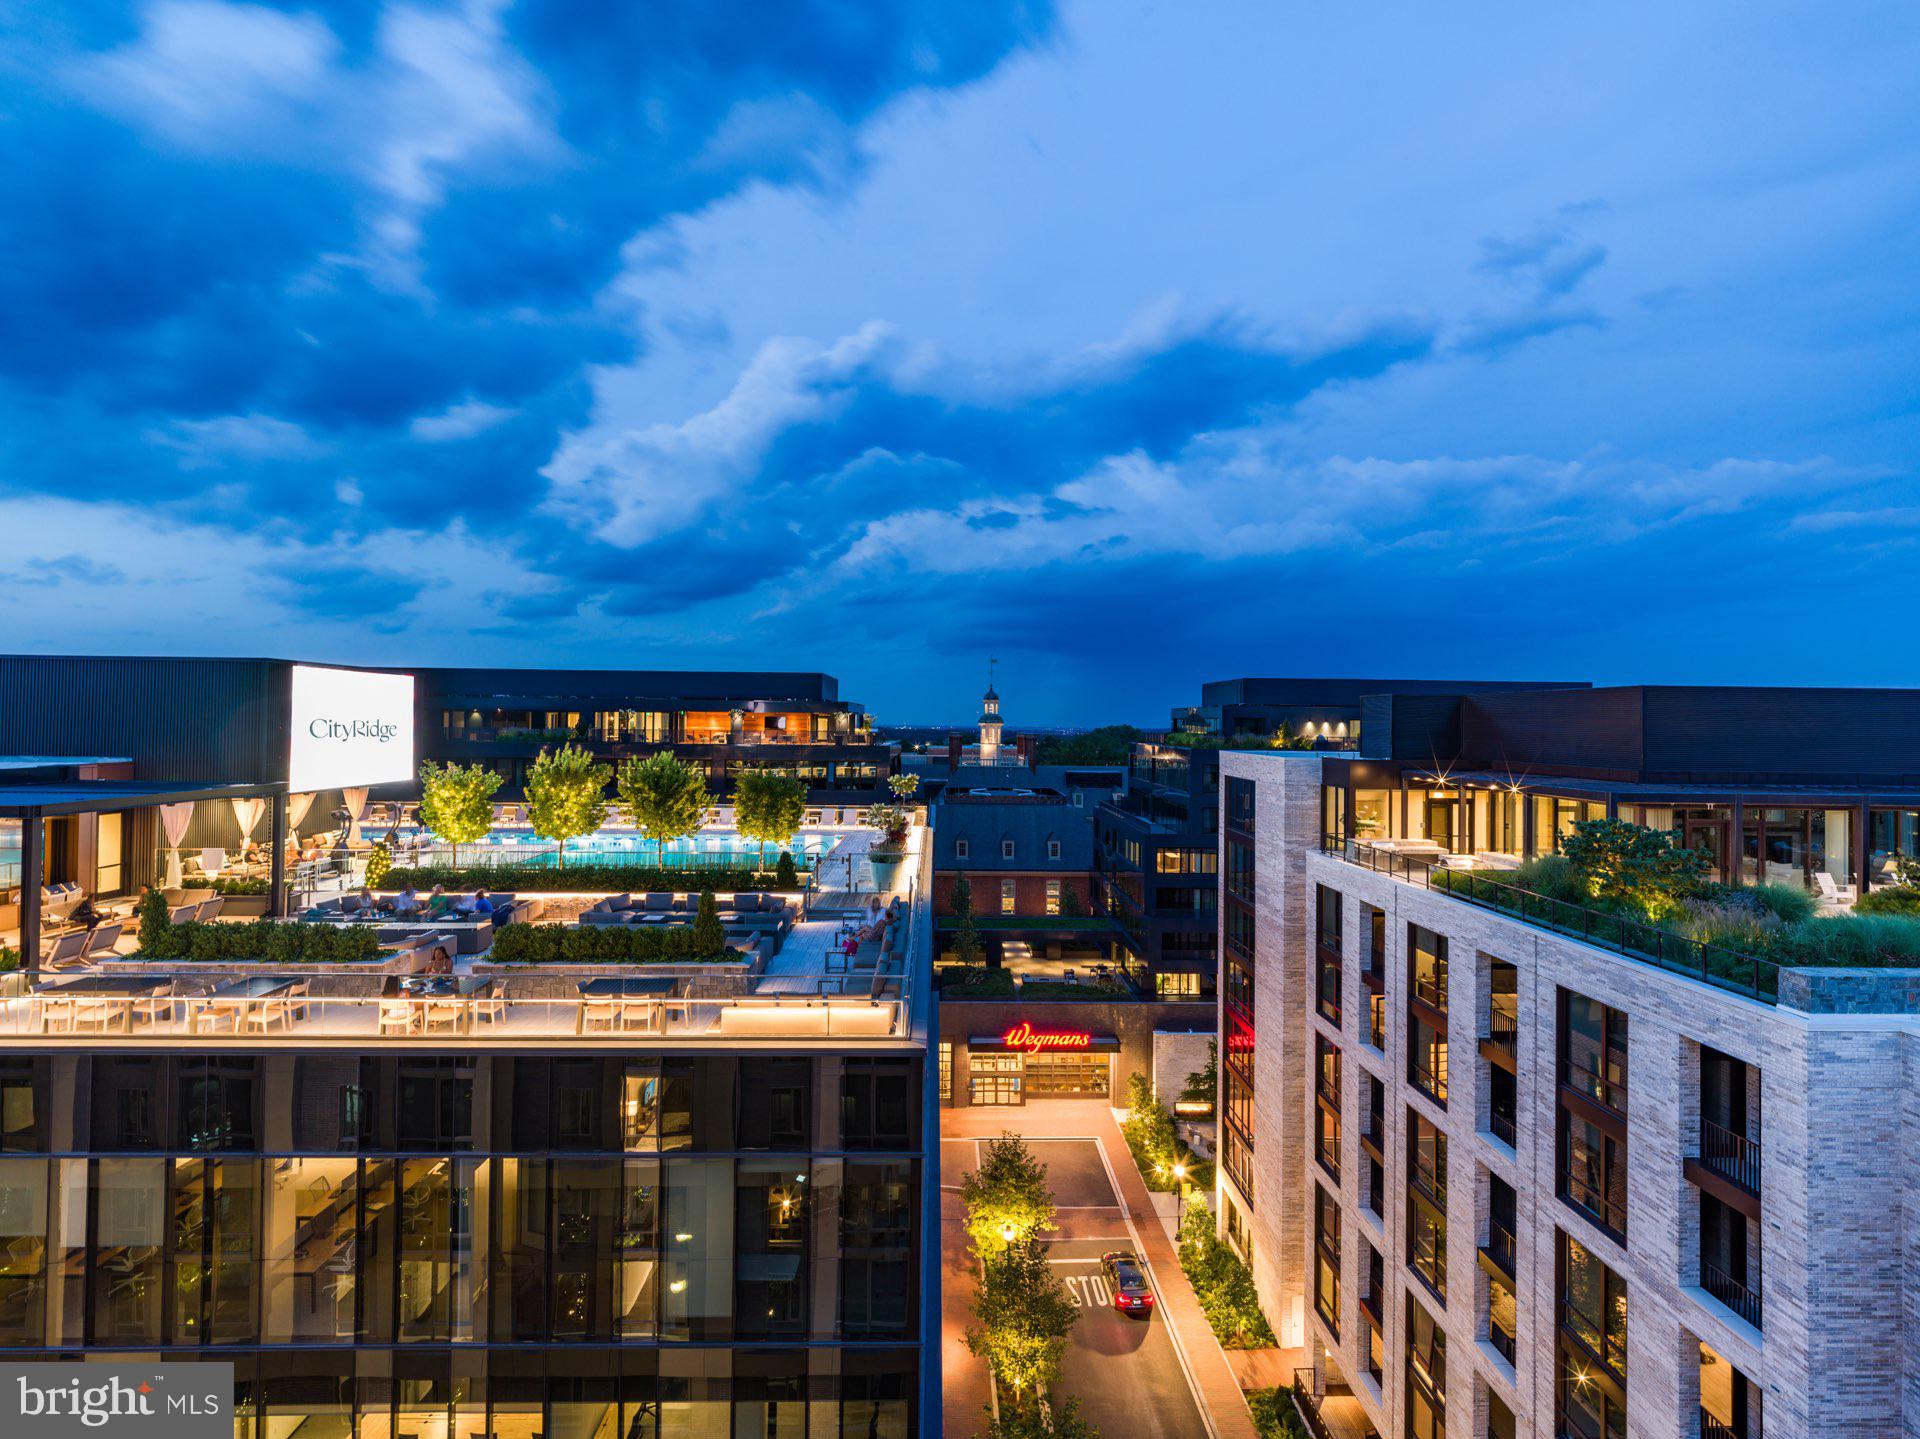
<point x="233" y="997"/>
<point x="127" y="986"/>
<point x="619" y="994"/>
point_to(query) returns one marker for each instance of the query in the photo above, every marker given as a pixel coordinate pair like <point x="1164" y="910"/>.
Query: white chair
<point x="1839" y="896"/>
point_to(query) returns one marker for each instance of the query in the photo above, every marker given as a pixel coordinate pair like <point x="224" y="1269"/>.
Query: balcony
<point x="1500" y="1124"/>
<point x="1730" y="1155"/>
<point x="1732" y="1292"/>
<point x="1501" y="1251"/>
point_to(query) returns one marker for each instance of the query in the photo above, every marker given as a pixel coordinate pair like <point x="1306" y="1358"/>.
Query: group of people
<point x="878" y="918"/>
<point x="438" y="904"/>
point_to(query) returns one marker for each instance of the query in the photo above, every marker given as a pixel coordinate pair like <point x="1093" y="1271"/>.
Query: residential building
<point x="1505" y="1167"/>
<point x="1326" y="711"/>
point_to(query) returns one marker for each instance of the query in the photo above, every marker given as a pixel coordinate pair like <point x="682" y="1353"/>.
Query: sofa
<point x="744" y="915"/>
<point x="507" y="908"/>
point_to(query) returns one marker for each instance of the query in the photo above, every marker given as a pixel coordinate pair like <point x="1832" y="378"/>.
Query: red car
<point x="1131" y="1292"/>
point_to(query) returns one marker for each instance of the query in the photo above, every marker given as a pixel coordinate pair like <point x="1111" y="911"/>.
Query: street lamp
<point x="1007" y="1231"/>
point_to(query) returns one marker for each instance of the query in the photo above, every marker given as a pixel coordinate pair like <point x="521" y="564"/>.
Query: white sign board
<point x="350" y="727"/>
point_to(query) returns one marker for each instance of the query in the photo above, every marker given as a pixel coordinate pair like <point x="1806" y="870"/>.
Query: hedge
<point x="268" y="940"/>
<point x="584" y="879"/>
<point x="239" y="884"/>
<point x="600" y="944"/>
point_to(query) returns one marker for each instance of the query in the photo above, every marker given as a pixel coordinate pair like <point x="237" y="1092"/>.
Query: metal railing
<point x="1304" y="1405"/>
<point x="1635" y="939"/>
<point x="1712" y="1428"/>
<point x="1731" y="1154"/>
<point x="1503" y="1021"/>
<point x="1732" y="1292"/>
<point x="1501" y="1127"/>
<point x="1501" y="1247"/>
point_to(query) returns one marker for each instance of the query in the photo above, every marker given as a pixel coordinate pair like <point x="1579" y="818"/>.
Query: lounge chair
<point x="69" y="951"/>
<point x="103" y="939"/>
<point x="1837" y="896"/>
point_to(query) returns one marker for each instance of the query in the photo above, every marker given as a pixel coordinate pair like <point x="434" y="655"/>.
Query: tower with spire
<point x="990" y="720"/>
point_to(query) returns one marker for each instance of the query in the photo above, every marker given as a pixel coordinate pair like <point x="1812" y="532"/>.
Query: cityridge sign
<point x="116" y="1401"/>
<point x="349" y="728"/>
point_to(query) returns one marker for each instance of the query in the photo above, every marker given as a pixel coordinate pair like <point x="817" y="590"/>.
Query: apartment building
<point x="1511" y="1171"/>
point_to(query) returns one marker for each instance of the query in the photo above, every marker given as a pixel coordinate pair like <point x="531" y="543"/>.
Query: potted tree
<point x="888" y="852"/>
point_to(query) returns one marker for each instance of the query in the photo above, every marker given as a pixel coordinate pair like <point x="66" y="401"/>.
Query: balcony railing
<point x="1503" y="1021"/>
<point x="1502" y="1341"/>
<point x="1731" y="1292"/>
<point x="1501" y="1248"/>
<point x="1723" y="968"/>
<point x="1730" y="1154"/>
<point x="1712" y="1428"/>
<point x="1502" y="1128"/>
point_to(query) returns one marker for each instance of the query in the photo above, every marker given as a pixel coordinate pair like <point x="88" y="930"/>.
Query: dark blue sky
<point x="1133" y="344"/>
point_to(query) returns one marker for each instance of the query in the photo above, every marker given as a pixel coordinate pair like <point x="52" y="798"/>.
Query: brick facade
<point x="1839" y="1119"/>
<point x="1030" y="890"/>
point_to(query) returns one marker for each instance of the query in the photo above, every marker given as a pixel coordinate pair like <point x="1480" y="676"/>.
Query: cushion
<point x="659" y="901"/>
<point x="619" y="903"/>
<point x="746" y="903"/>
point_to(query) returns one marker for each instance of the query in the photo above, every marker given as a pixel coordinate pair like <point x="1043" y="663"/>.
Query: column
<point x="1862" y="847"/>
<point x="277" y="839"/>
<point x="33" y="878"/>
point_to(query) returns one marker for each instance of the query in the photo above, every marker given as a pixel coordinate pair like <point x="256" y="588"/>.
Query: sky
<point x="1132" y="345"/>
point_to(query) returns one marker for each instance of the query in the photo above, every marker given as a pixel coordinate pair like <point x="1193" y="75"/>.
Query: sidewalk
<point x="1213" y="1376"/>
<point x="963" y="1378"/>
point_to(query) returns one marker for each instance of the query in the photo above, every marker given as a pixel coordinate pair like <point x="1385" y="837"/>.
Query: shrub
<point x="1223" y="1285"/>
<point x="1148" y="1130"/>
<point x="1785" y="902"/>
<point x="962" y="981"/>
<point x="708" y="936"/>
<point x="1274" y="1415"/>
<point x="587" y="879"/>
<point x="1872" y="941"/>
<point x="965" y="940"/>
<point x="785" y="876"/>
<point x="152" y="914"/>
<point x="240" y="884"/>
<point x="604" y="944"/>
<point x="9" y="959"/>
<point x="1901" y="899"/>
<point x="263" y="941"/>
<point x="1627" y="864"/>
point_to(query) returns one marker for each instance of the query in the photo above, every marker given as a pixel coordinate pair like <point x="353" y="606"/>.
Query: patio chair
<point x="56" y="1014"/>
<point x="598" y="1012"/>
<point x="208" y="909"/>
<point x="1840" y="896"/>
<point x="266" y="1013"/>
<point x="69" y="951"/>
<point x="396" y="1016"/>
<point x="103" y="939"/>
<point x="182" y="913"/>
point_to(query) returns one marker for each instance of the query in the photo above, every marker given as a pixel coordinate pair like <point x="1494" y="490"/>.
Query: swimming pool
<point x="720" y="849"/>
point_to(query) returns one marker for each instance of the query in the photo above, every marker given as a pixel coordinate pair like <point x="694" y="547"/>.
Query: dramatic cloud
<point x="1135" y="345"/>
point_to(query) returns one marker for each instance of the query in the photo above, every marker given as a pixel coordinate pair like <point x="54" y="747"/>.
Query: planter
<point x="886" y="865"/>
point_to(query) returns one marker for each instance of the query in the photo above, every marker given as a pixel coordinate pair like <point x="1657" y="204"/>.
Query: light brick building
<point x="1500" y="1180"/>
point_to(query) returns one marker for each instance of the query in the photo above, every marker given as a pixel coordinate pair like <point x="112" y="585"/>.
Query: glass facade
<point x="494" y="1244"/>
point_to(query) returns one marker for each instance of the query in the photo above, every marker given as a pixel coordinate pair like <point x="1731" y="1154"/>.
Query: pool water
<point x="723" y="850"/>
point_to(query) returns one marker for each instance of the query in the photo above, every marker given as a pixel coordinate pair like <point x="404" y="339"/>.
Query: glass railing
<point x="203" y="1006"/>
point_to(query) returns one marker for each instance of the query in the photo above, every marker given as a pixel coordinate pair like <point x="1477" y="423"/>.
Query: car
<point x="1132" y="1295"/>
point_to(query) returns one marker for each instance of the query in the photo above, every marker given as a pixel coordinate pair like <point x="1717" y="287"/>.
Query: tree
<point x="1204" y="1083"/>
<point x="456" y="802"/>
<point x="709" y="938"/>
<point x="1071" y="906"/>
<point x="665" y="797"/>
<point x="1109" y="744"/>
<point x="1031" y="1422"/>
<point x="1025" y="1315"/>
<point x="768" y="807"/>
<point x="785" y="875"/>
<point x="1007" y="1197"/>
<point x="379" y="864"/>
<point x="1628" y="864"/>
<point x="966" y="936"/>
<point x="904" y="787"/>
<point x="566" y="794"/>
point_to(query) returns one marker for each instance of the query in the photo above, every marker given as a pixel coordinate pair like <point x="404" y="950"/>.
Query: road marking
<point x="1173" y="1330"/>
<point x="1089" y="1291"/>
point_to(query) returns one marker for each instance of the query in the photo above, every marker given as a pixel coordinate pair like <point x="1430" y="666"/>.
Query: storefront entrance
<point x="1024" y="1065"/>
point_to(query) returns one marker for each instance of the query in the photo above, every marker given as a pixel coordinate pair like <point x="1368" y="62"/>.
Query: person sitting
<point x="366" y="902"/>
<point x="441" y="962"/>
<point x="85" y="914"/>
<point x="481" y="906"/>
<point x="407" y="903"/>
<point x="439" y="903"/>
<point x="850" y="946"/>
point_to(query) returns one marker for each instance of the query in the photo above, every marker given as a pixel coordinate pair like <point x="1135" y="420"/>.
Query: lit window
<point x="1053" y="896"/>
<point x="1006" y="896"/>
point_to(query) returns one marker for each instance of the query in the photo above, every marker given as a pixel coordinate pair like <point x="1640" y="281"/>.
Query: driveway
<point x="1128" y="1375"/>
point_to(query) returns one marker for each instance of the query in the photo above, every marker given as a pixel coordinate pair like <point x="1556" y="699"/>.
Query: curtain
<point x="174" y="819"/>
<point x="213" y="860"/>
<point x="246" y="814"/>
<point x="297" y="807"/>
<point x="356" y="802"/>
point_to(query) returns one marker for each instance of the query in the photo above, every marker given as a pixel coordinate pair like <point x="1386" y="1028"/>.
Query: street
<point x="1126" y="1373"/>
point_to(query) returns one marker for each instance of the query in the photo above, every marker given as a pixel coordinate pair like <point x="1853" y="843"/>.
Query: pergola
<point x="32" y="803"/>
